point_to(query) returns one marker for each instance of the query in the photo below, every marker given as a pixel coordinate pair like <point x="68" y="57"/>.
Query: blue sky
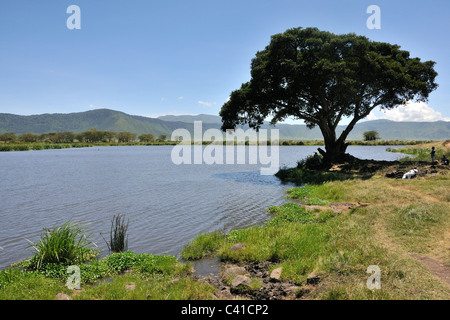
<point x="185" y="57"/>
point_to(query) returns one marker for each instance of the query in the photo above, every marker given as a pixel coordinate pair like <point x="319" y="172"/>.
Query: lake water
<point x="167" y="205"/>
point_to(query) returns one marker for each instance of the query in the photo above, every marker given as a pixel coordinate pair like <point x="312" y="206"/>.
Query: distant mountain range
<point x="116" y="121"/>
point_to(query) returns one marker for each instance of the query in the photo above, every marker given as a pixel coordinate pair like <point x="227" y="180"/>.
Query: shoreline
<point x="397" y="224"/>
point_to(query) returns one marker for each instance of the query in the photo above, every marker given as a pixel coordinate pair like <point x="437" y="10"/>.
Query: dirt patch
<point x="435" y="267"/>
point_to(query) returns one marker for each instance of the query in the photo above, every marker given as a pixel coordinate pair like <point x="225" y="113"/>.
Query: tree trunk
<point x="334" y="151"/>
<point x="334" y="148"/>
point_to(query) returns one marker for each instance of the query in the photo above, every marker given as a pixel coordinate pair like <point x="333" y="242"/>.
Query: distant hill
<point x="101" y="119"/>
<point x="116" y="121"/>
<point x="388" y="130"/>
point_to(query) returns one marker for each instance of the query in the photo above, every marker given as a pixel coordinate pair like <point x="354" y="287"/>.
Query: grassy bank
<point x="119" y="276"/>
<point x="399" y="221"/>
<point x="329" y="231"/>
<point x="337" y="229"/>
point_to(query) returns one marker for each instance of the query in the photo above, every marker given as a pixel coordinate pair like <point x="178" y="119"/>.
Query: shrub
<point x="66" y="245"/>
<point x="6" y="148"/>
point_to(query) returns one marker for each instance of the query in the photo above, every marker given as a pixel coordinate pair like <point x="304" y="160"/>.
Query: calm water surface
<point x="167" y="205"/>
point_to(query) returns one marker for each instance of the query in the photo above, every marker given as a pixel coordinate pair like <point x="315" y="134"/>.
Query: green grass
<point x="157" y="287"/>
<point x="315" y="195"/>
<point x="156" y="277"/>
<point x="19" y="285"/>
<point x="399" y="219"/>
<point x="293" y="212"/>
<point x="66" y="244"/>
<point x="203" y="245"/>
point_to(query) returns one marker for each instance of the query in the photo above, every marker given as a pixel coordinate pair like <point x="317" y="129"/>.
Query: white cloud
<point x="412" y="111"/>
<point x="206" y="104"/>
<point x="180" y="98"/>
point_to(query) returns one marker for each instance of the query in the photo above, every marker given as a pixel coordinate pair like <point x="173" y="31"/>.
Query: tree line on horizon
<point x="89" y="136"/>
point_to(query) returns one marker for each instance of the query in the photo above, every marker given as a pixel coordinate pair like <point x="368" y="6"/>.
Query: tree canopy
<point x="321" y="77"/>
<point x="371" y="135"/>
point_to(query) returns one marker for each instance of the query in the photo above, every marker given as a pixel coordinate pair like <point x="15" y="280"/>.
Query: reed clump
<point x="118" y="237"/>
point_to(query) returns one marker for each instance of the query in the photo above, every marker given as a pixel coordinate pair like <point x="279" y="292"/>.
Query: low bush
<point x="66" y="244"/>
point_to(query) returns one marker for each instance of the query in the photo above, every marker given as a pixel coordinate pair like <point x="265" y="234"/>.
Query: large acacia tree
<point x="322" y="77"/>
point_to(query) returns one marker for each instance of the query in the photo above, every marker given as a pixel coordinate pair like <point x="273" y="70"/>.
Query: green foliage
<point x="28" y="137"/>
<point x="118" y="236"/>
<point x="203" y="245"/>
<point x="8" y="137"/>
<point x="143" y="263"/>
<point x="126" y="137"/>
<point x="411" y="219"/>
<point x="146" y="138"/>
<point x="311" y="162"/>
<point x="66" y="244"/>
<point x="9" y="275"/>
<point x="19" y="285"/>
<point x="294" y="213"/>
<point x="371" y="135"/>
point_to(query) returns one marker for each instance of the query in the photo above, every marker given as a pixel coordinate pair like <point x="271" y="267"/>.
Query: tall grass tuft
<point x="118" y="237"/>
<point x="66" y="244"/>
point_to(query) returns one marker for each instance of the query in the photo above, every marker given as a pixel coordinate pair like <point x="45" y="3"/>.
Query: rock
<point x="312" y="278"/>
<point x="276" y="274"/>
<point x="233" y="270"/>
<point x="237" y="246"/>
<point x="241" y="284"/>
<point x="130" y="287"/>
<point x="62" y="296"/>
